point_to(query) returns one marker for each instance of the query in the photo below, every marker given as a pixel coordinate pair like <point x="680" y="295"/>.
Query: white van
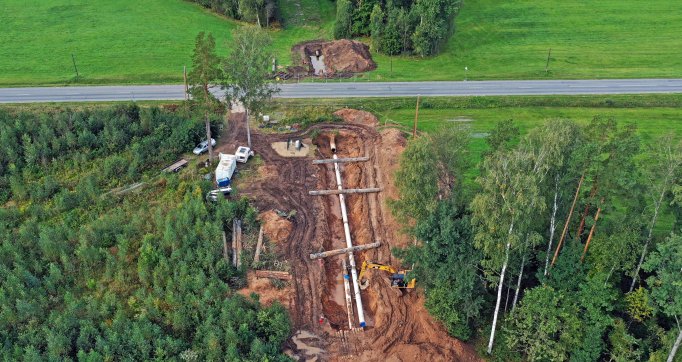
<point x="243" y="154"/>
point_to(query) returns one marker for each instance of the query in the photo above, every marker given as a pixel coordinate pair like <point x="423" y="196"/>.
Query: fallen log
<point x="344" y="191"/>
<point x="273" y="274"/>
<point x="256" y="257"/>
<point x="341" y="160"/>
<point x="326" y="254"/>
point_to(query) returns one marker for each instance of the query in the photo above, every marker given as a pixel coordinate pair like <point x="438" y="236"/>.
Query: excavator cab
<point x="399" y="279"/>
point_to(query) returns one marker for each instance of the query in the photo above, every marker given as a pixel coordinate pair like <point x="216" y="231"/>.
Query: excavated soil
<point x="399" y="328"/>
<point x="276" y="228"/>
<point x="357" y="116"/>
<point x="267" y="292"/>
<point x="339" y="56"/>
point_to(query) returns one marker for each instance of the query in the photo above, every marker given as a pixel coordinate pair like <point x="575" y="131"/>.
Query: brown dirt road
<point x="399" y="327"/>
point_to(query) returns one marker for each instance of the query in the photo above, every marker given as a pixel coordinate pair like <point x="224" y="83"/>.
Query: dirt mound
<point x="267" y="292"/>
<point x="275" y="227"/>
<point x="339" y="56"/>
<point x="392" y="145"/>
<point x="347" y="56"/>
<point x="356" y="116"/>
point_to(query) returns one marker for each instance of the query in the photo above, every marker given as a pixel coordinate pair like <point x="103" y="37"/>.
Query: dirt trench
<point x="399" y="327"/>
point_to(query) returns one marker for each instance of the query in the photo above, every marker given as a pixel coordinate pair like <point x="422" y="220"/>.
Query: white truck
<point x="243" y="154"/>
<point x="225" y="169"/>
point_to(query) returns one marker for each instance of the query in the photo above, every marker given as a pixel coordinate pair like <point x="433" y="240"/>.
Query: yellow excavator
<point x="399" y="279"/>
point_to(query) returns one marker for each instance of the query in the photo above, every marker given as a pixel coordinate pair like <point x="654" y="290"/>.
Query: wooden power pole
<point x="184" y="76"/>
<point x="416" y="118"/>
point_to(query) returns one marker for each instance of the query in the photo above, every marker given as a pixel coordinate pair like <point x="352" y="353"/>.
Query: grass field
<point x="589" y="39"/>
<point x="122" y="41"/>
<point x="128" y="41"/>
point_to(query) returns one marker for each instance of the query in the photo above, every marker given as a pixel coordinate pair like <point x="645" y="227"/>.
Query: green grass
<point x="128" y="41"/>
<point x="589" y="39"/>
<point x="654" y="115"/>
<point x="122" y="41"/>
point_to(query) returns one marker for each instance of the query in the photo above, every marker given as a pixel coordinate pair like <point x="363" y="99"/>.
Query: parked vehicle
<point x="202" y="147"/>
<point x="213" y="195"/>
<point x="243" y="154"/>
<point x="225" y="169"/>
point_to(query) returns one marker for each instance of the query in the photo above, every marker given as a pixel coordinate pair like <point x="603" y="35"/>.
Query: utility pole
<point x="549" y="53"/>
<point x="73" y="58"/>
<point x="184" y="76"/>
<point x="416" y="118"/>
<point x="248" y="129"/>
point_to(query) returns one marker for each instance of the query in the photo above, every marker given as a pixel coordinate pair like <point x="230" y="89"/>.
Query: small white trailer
<point x="225" y="169"/>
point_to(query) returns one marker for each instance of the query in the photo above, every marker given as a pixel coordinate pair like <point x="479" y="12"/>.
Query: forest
<point x="561" y="244"/>
<point x="418" y="27"/>
<point x="92" y="271"/>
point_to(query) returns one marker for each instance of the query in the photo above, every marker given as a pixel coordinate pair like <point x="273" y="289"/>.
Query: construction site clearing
<point x="323" y="215"/>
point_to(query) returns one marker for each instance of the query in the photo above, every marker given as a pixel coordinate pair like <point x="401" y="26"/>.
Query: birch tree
<point x="509" y="192"/>
<point x="557" y="141"/>
<point x="247" y="71"/>
<point x="550" y="149"/>
<point x="660" y="169"/>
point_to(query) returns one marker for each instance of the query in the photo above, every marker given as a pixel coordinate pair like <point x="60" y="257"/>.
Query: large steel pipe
<point x="349" y="242"/>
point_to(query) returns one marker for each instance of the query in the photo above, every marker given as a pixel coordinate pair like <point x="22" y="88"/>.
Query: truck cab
<point x="243" y="154"/>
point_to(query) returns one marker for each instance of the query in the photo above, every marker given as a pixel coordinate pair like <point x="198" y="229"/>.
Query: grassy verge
<point x="653" y="114"/>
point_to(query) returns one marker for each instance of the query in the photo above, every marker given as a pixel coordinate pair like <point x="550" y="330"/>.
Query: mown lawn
<point x="122" y="41"/>
<point x="589" y="39"/>
<point x="128" y="41"/>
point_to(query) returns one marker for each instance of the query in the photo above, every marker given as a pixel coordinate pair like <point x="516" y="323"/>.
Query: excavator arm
<point x="398" y="279"/>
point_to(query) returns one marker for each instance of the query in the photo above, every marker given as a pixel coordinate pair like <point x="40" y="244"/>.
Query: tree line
<point x="86" y="274"/>
<point x="261" y="12"/>
<point x="418" y="27"/>
<point x="559" y="250"/>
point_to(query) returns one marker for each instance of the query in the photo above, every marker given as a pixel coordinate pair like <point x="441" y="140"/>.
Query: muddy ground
<point x="399" y="328"/>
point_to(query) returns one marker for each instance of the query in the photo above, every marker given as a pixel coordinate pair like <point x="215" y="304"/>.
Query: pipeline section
<point x="349" y="242"/>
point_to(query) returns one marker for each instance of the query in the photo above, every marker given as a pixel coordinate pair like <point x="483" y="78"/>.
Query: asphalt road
<point x="356" y="89"/>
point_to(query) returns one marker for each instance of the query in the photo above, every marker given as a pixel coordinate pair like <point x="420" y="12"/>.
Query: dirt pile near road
<point x="347" y="56"/>
<point x="275" y="227"/>
<point x="357" y="116"/>
<point x="339" y="56"/>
